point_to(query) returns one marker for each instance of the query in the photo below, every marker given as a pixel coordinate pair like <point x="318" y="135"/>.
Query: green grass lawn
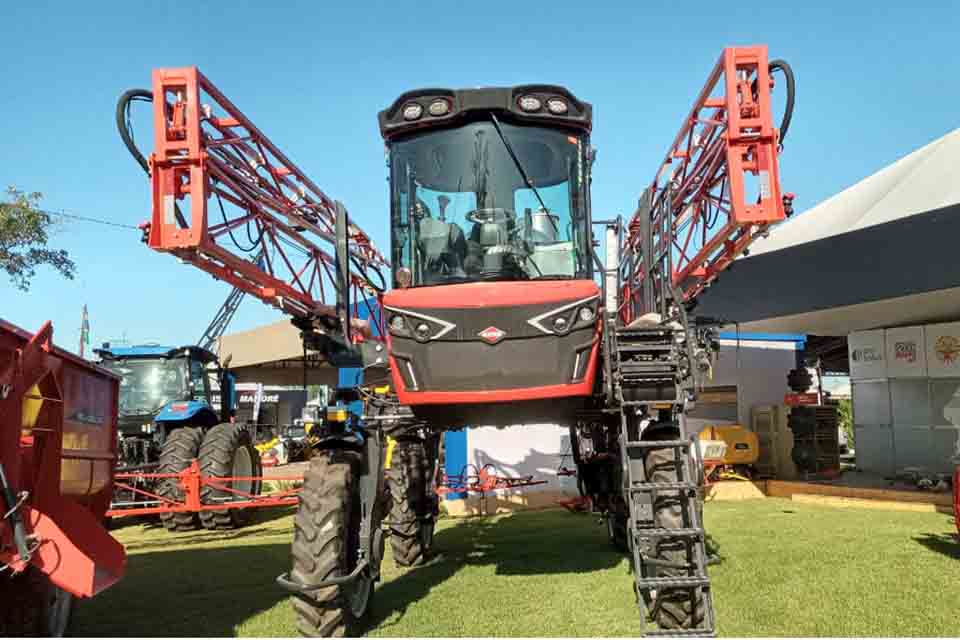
<point x="787" y="569"/>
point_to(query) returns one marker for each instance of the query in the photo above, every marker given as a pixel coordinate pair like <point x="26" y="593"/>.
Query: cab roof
<point x="462" y="104"/>
<point x="155" y="351"/>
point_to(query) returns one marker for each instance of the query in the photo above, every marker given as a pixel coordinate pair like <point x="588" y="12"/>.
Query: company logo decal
<point x="867" y="354"/>
<point x="905" y="351"/>
<point x="947" y="349"/>
<point x="492" y="335"/>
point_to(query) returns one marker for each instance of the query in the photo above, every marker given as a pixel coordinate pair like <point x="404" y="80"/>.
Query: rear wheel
<point x="326" y="544"/>
<point x="411" y="506"/>
<point x="228" y="451"/>
<point x="180" y="448"/>
<point x="674" y="608"/>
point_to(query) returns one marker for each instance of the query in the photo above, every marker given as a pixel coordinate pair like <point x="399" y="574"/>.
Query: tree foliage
<point x="845" y="416"/>
<point x="24" y="233"/>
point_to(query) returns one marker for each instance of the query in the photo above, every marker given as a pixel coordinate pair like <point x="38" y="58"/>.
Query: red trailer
<point x="58" y="425"/>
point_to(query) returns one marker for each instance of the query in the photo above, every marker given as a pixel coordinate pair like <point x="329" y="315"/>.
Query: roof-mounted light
<point x="556" y="106"/>
<point x="530" y="103"/>
<point x="439" y="107"/>
<point x="412" y="111"/>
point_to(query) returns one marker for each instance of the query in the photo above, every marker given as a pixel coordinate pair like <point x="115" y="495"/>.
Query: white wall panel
<point x="943" y="350"/>
<point x="867" y="357"/>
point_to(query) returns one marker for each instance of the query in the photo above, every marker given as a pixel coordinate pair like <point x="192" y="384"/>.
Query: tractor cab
<point x="488" y="185"/>
<point x="161" y="387"/>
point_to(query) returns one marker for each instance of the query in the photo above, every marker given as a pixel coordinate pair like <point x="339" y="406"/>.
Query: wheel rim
<point x="58" y="611"/>
<point x="242" y="467"/>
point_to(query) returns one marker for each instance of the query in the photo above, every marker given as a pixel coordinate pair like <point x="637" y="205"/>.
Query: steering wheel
<point x="495" y="215"/>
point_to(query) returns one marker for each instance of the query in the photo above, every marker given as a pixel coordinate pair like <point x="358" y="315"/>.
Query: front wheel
<point x="180" y="448"/>
<point x="228" y="451"/>
<point x="326" y="544"/>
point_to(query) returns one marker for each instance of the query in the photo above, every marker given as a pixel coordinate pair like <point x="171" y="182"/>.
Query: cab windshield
<point x="149" y="384"/>
<point x="462" y="210"/>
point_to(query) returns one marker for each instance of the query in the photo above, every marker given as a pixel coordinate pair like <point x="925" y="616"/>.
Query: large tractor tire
<point x="326" y="539"/>
<point x="33" y="606"/>
<point x="180" y="448"/>
<point x="674" y="608"/>
<point x="411" y="518"/>
<point x="227" y="451"/>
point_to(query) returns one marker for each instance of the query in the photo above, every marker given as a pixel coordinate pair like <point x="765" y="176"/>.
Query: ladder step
<point x="659" y="444"/>
<point x="689" y="633"/>
<point x="658" y="532"/>
<point x="642" y="487"/>
<point x="673" y="582"/>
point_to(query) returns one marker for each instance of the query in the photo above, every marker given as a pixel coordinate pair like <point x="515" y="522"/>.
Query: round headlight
<point x="412" y="111"/>
<point x="560" y="324"/>
<point x="397" y="323"/>
<point x="423" y="331"/>
<point x="439" y="107"/>
<point x="586" y="314"/>
<point x="529" y="103"/>
<point x="556" y="106"/>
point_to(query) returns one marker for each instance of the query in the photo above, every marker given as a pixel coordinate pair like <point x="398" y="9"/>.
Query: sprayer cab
<point x="488" y="184"/>
<point x="491" y="251"/>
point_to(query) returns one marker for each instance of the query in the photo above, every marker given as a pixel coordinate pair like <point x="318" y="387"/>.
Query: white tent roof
<point x="927" y="179"/>
<point x="883" y="252"/>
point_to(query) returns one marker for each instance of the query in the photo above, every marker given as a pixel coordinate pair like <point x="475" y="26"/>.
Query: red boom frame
<point x="719" y="185"/>
<point x="206" y="148"/>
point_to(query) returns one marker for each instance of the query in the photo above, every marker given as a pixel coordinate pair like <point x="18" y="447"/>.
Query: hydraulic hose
<point x="123" y="123"/>
<point x="123" y="126"/>
<point x="784" y="68"/>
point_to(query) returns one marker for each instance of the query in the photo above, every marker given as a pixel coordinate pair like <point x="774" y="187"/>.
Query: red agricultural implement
<point x="484" y="480"/>
<point x="190" y="483"/>
<point x="58" y="419"/>
<point x="500" y="313"/>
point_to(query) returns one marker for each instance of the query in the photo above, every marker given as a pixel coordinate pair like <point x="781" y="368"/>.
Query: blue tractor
<point x="168" y="418"/>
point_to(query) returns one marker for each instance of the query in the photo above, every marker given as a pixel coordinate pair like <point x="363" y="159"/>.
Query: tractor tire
<point x="227" y="450"/>
<point x="617" y="531"/>
<point x="673" y="608"/>
<point x="33" y="606"/>
<point x="180" y="448"/>
<point x="326" y="538"/>
<point x="411" y="523"/>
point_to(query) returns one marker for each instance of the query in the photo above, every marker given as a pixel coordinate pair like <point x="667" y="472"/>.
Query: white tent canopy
<point x="883" y="252"/>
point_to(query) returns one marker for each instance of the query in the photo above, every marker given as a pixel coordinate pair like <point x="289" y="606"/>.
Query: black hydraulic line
<point x="784" y="68"/>
<point x="126" y="134"/>
<point x="11" y="509"/>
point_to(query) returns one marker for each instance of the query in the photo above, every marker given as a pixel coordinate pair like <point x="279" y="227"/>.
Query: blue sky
<point x="874" y="83"/>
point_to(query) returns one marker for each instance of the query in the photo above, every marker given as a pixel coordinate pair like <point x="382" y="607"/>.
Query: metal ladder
<point x="648" y="374"/>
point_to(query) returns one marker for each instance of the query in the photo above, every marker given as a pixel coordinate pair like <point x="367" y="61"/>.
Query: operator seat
<point x="487" y="244"/>
<point x="443" y="250"/>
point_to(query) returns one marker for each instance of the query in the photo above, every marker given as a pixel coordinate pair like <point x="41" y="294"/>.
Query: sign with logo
<point x="943" y="350"/>
<point x="906" y="353"/>
<point x="801" y="399"/>
<point x="867" y="354"/>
